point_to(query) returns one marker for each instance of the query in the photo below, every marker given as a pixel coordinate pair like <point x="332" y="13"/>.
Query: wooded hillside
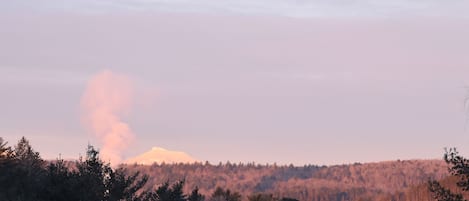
<point x="25" y="176"/>
<point x="370" y="181"/>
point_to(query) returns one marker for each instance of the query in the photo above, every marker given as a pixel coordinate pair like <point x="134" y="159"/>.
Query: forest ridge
<point x="25" y="176"/>
<point x="367" y="181"/>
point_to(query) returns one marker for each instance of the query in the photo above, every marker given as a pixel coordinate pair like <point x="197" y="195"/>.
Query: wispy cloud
<point x="290" y="8"/>
<point x="12" y="75"/>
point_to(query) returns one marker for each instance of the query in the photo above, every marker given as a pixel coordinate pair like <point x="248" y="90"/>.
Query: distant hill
<point x="392" y="180"/>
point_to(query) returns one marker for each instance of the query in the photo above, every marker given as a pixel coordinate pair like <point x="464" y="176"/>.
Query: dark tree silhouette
<point x="225" y="195"/>
<point x="98" y="181"/>
<point x="459" y="167"/>
<point x="261" y="197"/>
<point x="195" y="195"/>
<point x="8" y="168"/>
<point x="165" y="192"/>
<point x="5" y="151"/>
<point x="288" y="199"/>
<point x="24" y="176"/>
<point x="125" y="187"/>
<point x="29" y="171"/>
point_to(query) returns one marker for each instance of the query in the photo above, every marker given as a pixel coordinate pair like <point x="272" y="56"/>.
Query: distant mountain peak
<point x="160" y="155"/>
<point x="158" y="149"/>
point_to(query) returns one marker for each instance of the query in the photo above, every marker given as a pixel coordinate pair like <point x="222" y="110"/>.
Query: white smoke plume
<point x="107" y="98"/>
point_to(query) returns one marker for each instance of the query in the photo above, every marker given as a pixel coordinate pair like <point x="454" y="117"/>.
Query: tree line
<point x="368" y="181"/>
<point x="25" y="176"/>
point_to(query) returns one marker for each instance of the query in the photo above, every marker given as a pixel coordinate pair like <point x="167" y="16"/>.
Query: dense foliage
<point x="24" y="176"/>
<point x="459" y="169"/>
<point x="392" y="180"/>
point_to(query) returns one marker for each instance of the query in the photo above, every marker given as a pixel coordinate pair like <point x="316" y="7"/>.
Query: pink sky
<point x="243" y="87"/>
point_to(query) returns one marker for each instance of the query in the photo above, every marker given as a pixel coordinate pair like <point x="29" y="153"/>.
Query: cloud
<point x="107" y="98"/>
<point x="290" y="8"/>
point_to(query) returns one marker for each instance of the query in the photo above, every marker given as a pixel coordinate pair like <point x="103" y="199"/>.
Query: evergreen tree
<point x="125" y="187"/>
<point x="90" y="176"/>
<point x="195" y="195"/>
<point x="261" y="197"/>
<point x="8" y="167"/>
<point x="29" y="173"/>
<point x="5" y="151"/>
<point x="162" y="193"/>
<point x="225" y="195"/>
<point x="98" y="181"/>
<point x="165" y="192"/>
<point x="58" y="183"/>
<point x="176" y="193"/>
<point x="288" y="199"/>
<point x="459" y="167"/>
<point x="24" y="176"/>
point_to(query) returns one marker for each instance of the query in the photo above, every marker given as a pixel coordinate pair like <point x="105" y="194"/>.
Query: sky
<point x="302" y="82"/>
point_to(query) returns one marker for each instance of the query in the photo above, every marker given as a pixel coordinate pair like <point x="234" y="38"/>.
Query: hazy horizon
<point x="299" y="82"/>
